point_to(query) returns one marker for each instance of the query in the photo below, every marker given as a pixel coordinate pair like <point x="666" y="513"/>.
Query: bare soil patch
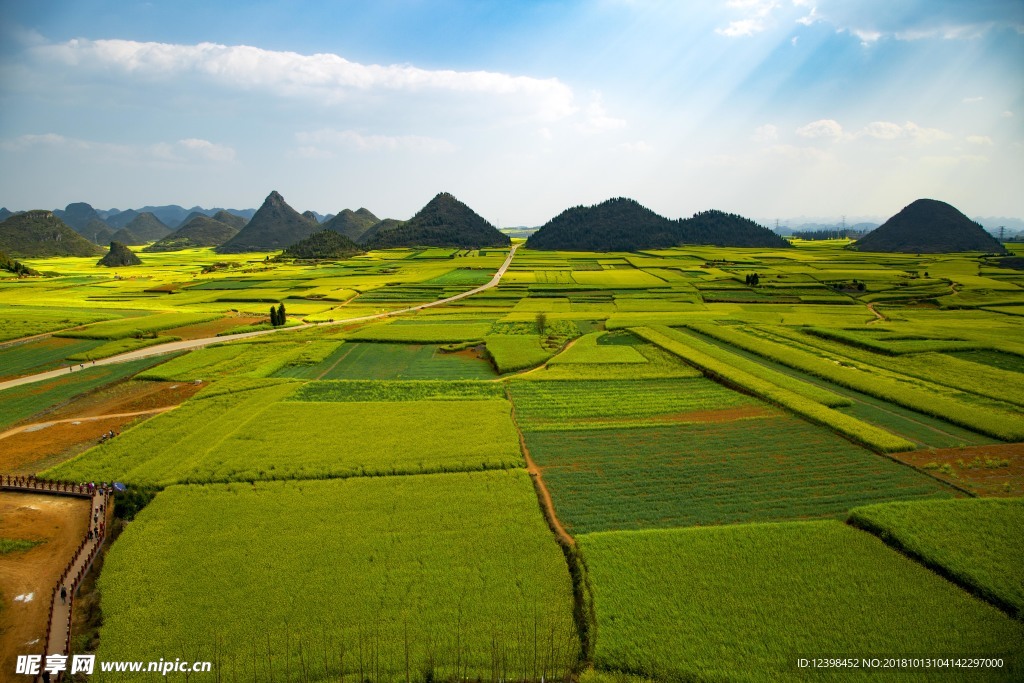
<point x="61" y="523"/>
<point x="995" y="470"/>
<point x="78" y="425"/>
<point x="46" y="444"/>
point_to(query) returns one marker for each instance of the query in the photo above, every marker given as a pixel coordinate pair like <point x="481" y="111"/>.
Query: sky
<point x="766" y="108"/>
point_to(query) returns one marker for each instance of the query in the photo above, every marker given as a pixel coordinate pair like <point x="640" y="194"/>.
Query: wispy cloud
<point x="327" y="77"/>
<point x="754" y="17"/>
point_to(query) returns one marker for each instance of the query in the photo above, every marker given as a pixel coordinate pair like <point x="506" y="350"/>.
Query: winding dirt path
<point x="543" y="495"/>
<point x="189" y="344"/>
<point x="879" y="318"/>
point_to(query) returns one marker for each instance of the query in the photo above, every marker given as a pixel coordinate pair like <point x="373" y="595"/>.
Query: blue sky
<point x="769" y="108"/>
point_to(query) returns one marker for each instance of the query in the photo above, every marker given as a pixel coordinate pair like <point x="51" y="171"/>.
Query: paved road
<point x="199" y="343"/>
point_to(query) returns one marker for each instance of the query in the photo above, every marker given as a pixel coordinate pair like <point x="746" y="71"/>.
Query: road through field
<point x="189" y="344"/>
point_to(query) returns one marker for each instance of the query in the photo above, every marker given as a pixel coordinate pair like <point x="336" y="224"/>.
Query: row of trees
<point x="277" y="315"/>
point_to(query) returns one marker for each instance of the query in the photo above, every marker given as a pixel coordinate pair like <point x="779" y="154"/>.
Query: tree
<point x="281" y="316"/>
<point x="542" y="322"/>
<point x="273" y="316"/>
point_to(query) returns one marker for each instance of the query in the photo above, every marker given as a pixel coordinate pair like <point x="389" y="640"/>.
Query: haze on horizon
<point x="759" y="107"/>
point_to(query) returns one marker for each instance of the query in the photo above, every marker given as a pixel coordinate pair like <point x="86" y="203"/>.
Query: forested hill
<point x="614" y="225"/>
<point x="40" y="234"/>
<point x="443" y="222"/>
<point x="325" y="244"/>
<point x="928" y="226"/>
<point x="727" y="230"/>
<point x="625" y="225"/>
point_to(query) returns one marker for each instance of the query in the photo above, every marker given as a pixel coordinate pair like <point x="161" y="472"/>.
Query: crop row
<point x="957" y="374"/>
<point x="700" y="604"/>
<point x="995" y="423"/>
<point x="768" y="466"/>
<point x="780" y="379"/>
<point x="423" y="334"/>
<point x="895" y="347"/>
<point x="576" y="401"/>
<point x="398" y="390"/>
<point x="442" y="577"/>
<point x="861" y="432"/>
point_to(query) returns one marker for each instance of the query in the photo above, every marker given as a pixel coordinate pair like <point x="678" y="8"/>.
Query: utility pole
<point x="1002" y="232"/>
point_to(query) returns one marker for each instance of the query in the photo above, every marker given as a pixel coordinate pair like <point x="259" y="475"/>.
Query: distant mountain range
<point x="617" y="224"/>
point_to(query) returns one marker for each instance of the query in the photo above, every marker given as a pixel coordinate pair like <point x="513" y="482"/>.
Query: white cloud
<point x="597" y="119"/>
<point x="822" y="128"/>
<point x="326" y="77"/>
<point x="884" y="130"/>
<point x="972" y="100"/>
<point x="321" y="142"/>
<point x="208" y="150"/>
<point x="1007" y="114"/>
<point x="765" y="133"/>
<point x="871" y="20"/>
<point x="755" y="15"/>
<point x="887" y="130"/>
<point x="983" y="140"/>
<point x="867" y="37"/>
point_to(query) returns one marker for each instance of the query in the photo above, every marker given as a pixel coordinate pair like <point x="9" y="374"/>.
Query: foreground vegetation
<point x="435" y="577"/>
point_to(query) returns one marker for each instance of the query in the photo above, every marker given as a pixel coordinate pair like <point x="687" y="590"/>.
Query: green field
<point x="768" y="468"/>
<point x="437" y="577"/>
<point x="376" y="361"/>
<point x="744" y="603"/>
<point x="255" y="435"/>
<point x="988" y="552"/>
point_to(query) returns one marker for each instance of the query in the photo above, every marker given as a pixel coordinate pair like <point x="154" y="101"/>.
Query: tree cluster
<point x="752" y="279"/>
<point x="278" y="317"/>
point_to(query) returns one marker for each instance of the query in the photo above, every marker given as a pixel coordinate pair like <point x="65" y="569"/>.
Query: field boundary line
<point x="544" y="496"/>
<point x="189" y="344"/>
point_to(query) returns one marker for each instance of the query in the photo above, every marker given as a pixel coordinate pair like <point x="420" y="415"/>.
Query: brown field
<point x="996" y="470"/>
<point x="72" y="428"/>
<point x="60" y="522"/>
